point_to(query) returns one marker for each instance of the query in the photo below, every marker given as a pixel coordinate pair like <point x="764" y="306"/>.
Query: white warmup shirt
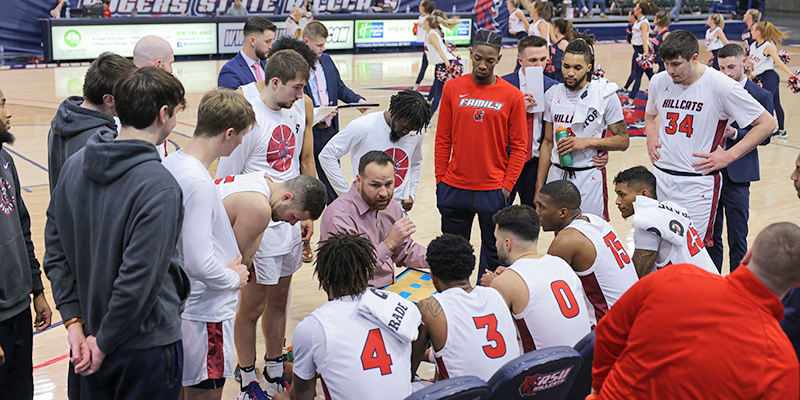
<point x="207" y="243"/>
<point x="272" y="145"/>
<point x="694" y="117"/>
<point x="556" y="314"/>
<point x="355" y="357"/>
<point x="481" y="336"/>
<point x="367" y="133"/>
<point x="612" y="272"/>
<point x="665" y="227"/>
<point x="586" y="113"/>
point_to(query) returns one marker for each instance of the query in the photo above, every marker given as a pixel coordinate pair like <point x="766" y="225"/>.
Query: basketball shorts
<point x="699" y="195"/>
<point x="268" y="270"/>
<point x="208" y="351"/>
<point x="592" y="185"/>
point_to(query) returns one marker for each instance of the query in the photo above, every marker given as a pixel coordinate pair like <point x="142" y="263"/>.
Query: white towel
<point x="595" y="98"/>
<point x="400" y="316"/>
<point x="666" y="219"/>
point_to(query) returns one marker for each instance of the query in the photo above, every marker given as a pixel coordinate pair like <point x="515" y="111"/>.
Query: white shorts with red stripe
<point x="208" y="351"/>
<point x="699" y="195"/>
<point x="268" y="270"/>
<point x="592" y="185"/>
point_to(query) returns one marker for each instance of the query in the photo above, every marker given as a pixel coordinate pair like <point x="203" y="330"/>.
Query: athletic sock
<point x="248" y="376"/>
<point x="274" y="370"/>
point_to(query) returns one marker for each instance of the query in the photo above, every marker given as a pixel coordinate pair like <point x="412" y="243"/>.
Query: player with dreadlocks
<point x="397" y="131"/>
<point x="578" y="112"/>
<point x="359" y="342"/>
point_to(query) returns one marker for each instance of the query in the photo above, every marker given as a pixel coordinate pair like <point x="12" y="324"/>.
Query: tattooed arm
<point x="433" y="330"/>
<point x="644" y="261"/>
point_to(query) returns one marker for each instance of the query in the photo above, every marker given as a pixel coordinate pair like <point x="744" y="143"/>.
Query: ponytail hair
<point x="718" y="20"/>
<point x="543" y="8"/>
<point x="565" y="27"/>
<point x="438" y="18"/>
<point x="770" y="33"/>
<point x="663" y="19"/>
<point x="755" y="14"/>
<point x="648" y="7"/>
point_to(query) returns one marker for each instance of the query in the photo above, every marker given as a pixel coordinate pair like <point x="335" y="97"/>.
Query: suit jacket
<point x="236" y="73"/>
<point x="746" y="168"/>
<point x="336" y="89"/>
<point x="513" y="78"/>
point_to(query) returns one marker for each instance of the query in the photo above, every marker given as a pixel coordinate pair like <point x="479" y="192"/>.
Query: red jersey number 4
<point x="374" y="354"/>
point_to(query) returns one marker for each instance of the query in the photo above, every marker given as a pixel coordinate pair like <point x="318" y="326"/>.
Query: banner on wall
<point x="400" y="32"/>
<point x="231" y="37"/>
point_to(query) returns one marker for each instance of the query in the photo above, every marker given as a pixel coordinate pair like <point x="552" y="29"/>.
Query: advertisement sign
<point x="231" y="37"/>
<point x="219" y="7"/>
<point x="399" y="32"/>
<point x="85" y="42"/>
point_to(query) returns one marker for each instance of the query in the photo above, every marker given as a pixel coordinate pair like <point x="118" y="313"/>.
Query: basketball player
<point x="694" y="103"/>
<point x="279" y="144"/>
<point x="208" y="246"/>
<point x="541" y="290"/>
<point x="359" y="342"/>
<point x="481" y="146"/>
<point x="588" y="244"/>
<point x="585" y="108"/>
<point x="663" y="233"/>
<point x="397" y="131"/>
<point x="469" y="328"/>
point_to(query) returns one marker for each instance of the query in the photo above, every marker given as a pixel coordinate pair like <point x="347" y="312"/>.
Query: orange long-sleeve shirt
<point x="683" y="333"/>
<point x="478" y="125"/>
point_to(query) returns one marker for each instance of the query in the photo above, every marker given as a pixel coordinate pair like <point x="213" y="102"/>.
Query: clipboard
<point x="413" y="284"/>
<point x="320" y="113"/>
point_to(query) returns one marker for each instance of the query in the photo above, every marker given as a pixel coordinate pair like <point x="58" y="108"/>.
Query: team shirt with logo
<point x="694" y="117"/>
<point x="612" y="272"/>
<point x="367" y="133"/>
<point x="481" y="336"/>
<point x="207" y="244"/>
<point x="762" y="61"/>
<point x="658" y="224"/>
<point x="481" y="138"/>
<point x="556" y="314"/>
<point x="355" y="357"/>
<point x="272" y="145"/>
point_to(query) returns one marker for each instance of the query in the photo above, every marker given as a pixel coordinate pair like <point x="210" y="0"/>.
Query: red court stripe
<point x="50" y="362"/>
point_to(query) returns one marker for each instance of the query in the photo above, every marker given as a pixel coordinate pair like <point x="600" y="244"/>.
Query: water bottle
<point x="566" y="159"/>
<point x="570" y="13"/>
<point x="2" y="54"/>
<point x="454" y="9"/>
<point x="66" y="15"/>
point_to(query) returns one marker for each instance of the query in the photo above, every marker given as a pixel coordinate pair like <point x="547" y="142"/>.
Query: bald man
<point x="153" y="51"/>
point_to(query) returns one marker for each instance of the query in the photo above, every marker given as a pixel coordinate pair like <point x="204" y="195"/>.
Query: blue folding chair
<point x="583" y="382"/>
<point x="547" y="373"/>
<point x="461" y="388"/>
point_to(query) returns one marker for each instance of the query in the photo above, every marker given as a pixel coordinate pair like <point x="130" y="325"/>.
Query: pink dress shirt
<point x="350" y="213"/>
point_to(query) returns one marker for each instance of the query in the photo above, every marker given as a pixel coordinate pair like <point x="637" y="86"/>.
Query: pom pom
<point x="454" y="70"/>
<point x="747" y="70"/>
<point x="599" y="73"/>
<point x="794" y="82"/>
<point x="785" y="56"/>
<point x="646" y="62"/>
<point x="710" y="62"/>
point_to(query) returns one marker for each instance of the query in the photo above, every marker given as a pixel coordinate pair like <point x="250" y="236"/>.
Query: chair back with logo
<point x="461" y="388"/>
<point x="547" y="373"/>
<point x="583" y="382"/>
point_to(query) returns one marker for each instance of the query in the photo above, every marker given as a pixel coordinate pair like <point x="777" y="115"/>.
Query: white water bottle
<point x="454" y="9"/>
<point x="570" y="11"/>
<point x="408" y="9"/>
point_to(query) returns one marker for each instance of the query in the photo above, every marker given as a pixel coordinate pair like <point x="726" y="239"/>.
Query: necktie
<point x="259" y="75"/>
<point x="323" y="96"/>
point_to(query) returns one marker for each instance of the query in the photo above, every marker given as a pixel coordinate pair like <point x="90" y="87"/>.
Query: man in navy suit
<point x="791" y="302"/>
<point x="532" y="51"/>
<point x="734" y="199"/>
<point x="248" y="65"/>
<point x="325" y="86"/>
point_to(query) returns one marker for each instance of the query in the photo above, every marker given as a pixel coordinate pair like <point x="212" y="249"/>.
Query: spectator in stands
<point x="248" y="65"/>
<point x="237" y="9"/>
<point x="675" y="12"/>
<point x="153" y="51"/>
<point x="684" y="333"/>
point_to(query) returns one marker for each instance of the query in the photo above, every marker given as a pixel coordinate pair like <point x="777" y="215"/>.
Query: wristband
<point x="71" y="321"/>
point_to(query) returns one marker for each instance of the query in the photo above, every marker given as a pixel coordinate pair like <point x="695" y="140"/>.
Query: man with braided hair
<point x="396" y="131"/>
<point x="359" y="342"/>
<point x="585" y="108"/>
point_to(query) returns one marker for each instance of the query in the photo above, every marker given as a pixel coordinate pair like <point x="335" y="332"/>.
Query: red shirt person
<point x="684" y="333"/>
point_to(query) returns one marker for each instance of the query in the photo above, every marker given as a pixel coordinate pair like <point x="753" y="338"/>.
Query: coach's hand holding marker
<point x="240" y="270"/>
<point x="401" y="229"/>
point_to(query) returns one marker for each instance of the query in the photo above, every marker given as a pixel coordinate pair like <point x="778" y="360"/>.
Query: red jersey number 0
<point x="492" y="335"/>
<point x="565" y="298"/>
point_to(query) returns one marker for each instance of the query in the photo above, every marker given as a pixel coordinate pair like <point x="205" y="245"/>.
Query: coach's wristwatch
<point x="71" y="321"/>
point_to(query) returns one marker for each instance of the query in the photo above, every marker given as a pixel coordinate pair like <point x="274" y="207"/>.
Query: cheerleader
<point x="517" y="22"/>
<point x="715" y="38"/>
<point x="662" y="30"/>
<point x="437" y="52"/>
<point x="426" y="7"/>
<point x="541" y="11"/>
<point x="640" y="39"/>
<point x="563" y="32"/>
<point x="751" y="17"/>
<point x="763" y="58"/>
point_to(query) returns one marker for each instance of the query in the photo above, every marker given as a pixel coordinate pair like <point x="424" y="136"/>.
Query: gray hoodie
<point x="70" y="129"/>
<point x="112" y="228"/>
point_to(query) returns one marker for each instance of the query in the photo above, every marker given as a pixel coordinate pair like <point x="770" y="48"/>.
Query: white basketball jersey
<point x="612" y="272"/>
<point x="481" y="336"/>
<point x="363" y="359"/>
<point x="556" y="314"/>
<point x="253" y="182"/>
<point x="636" y="32"/>
<point x="679" y="241"/>
<point x="713" y="42"/>
<point x="761" y="61"/>
<point x="694" y="117"/>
